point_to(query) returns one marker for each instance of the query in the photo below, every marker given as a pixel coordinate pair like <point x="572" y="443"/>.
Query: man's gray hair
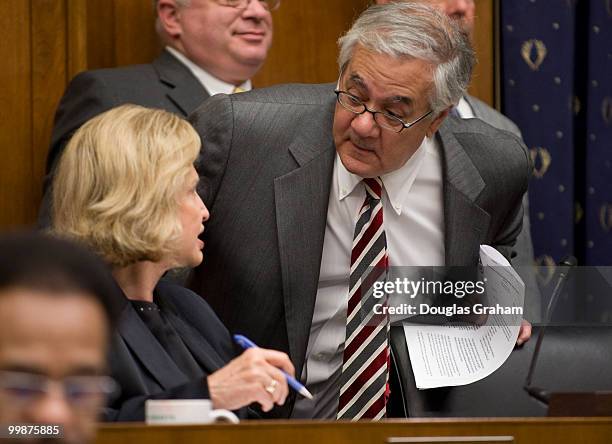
<point x="416" y="31"/>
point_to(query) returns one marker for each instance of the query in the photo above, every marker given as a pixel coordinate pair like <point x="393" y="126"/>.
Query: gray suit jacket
<point x="523" y="261"/>
<point x="166" y="84"/>
<point x="266" y="167"/>
<point x="492" y="116"/>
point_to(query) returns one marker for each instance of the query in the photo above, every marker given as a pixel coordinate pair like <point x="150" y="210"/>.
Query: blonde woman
<point x="126" y="187"/>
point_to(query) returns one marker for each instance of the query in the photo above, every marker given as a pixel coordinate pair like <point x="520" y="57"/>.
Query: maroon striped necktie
<point x="365" y="369"/>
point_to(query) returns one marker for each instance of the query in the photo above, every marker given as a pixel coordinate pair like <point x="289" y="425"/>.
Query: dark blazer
<point x="144" y="370"/>
<point x="266" y="171"/>
<point x="165" y="84"/>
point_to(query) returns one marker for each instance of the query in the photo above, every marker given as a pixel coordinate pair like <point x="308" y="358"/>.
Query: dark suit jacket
<point x="144" y="370"/>
<point x="266" y="169"/>
<point x="166" y="84"/>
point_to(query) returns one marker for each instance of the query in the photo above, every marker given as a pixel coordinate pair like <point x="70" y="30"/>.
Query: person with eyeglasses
<point x="210" y="47"/>
<point x="311" y="186"/>
<point x="58" y="307"/>
<point x="464" y="13"/>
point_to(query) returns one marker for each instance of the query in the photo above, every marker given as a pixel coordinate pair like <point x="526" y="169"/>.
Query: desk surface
<point x="522" y="430"/>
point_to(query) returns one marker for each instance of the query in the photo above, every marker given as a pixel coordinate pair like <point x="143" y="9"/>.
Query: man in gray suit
<point x="306" y="189"/>
<point x="469" y="107"/>
<point x="211" y="47"/>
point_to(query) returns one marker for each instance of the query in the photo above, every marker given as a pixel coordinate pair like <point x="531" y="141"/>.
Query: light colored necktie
<point x="365" y="370"/>
<point x="238" y="89"/>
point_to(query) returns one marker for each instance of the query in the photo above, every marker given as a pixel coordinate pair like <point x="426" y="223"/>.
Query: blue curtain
<point x="557" y="86"/>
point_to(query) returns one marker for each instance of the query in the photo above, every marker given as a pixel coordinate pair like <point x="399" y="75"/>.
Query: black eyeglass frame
<point x="34" y="385"/>
<point x="404" y="125"/>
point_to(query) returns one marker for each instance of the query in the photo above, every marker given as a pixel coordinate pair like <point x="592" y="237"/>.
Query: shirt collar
<point x="212" y="84"/>
<point x="397" y="184"/>
<point x="464" y="109"/>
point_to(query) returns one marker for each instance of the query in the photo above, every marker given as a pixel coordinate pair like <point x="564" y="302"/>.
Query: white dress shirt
<point x="464" y="109"/>
<point x="212" y="84"/>
<point x="413" y="220"/>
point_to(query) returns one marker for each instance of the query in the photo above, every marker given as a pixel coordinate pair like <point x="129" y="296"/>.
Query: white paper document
<point x="449" y="355"/>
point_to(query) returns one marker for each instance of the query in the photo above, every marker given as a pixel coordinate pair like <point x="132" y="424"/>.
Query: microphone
<point x="565" y="266"/>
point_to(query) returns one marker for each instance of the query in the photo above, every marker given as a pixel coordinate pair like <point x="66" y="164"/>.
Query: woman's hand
<point x="254" y="376"/>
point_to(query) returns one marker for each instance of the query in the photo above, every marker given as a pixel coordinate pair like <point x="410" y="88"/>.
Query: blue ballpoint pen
<point x="245" y="343"/>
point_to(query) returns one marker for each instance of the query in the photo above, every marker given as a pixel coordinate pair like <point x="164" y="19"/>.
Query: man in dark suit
<point x="464" y="12"/>
<point x="211" y="46"/>
<point x="306" y="189"/>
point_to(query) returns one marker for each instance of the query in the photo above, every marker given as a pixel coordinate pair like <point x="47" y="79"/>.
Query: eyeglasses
<point x="79" y="391"/>
<point x="384" y="120"/>
<point x="270" y="5"/>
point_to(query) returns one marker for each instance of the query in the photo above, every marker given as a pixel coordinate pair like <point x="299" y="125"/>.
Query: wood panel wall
<point x="483" y="79"/>
<point x="46" y="42"/>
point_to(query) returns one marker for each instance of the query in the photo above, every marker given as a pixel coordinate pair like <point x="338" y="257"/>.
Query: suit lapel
<point x="185" y="91"/>
<point x="148" y="350"/>
<point x="202" y="351"/>
<point x="465" y="223"/>
<point x="301" y="198"/>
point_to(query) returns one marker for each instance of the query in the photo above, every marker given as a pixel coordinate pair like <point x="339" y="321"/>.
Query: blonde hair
<point x="117" y="183"/>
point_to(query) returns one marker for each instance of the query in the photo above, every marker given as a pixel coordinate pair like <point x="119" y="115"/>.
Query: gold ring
<point x="271" y="388"/>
